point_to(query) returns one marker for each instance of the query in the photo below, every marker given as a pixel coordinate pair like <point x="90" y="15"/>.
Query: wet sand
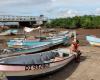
<point x="82" y="33"/>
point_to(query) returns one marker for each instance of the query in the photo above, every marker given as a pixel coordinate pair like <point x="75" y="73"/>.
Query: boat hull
<point x="14" y="71"/>
<point x="9" y="32"/>
<point x="39" y="46"/>
<point x="94" y="43"/>
<point x="27" y="51"/>
<point x="12" y="75"/>
<point x="59" y="40"/>
<point x="93" y="40"/>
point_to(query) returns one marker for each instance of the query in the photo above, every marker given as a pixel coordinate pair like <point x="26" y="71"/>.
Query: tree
<point x="86" y="21"/>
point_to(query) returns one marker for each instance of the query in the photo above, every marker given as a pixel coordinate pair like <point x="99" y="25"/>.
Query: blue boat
<point x="32" y="46"/>
<point x="35" y="47"/>
<point x="93" y="40"/>
<point x="56" y="40"/>
<point x="12" y="43"/>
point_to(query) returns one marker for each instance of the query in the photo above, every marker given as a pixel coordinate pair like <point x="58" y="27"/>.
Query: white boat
<point x="93" y="40"/>
<point x="9" y="32"/>
<point x="17" y="67"/>
<point x="56" y="40"/>
<point x="62" y="33"/>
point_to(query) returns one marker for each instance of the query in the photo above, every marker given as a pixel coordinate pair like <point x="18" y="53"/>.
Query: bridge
<point x="24" y="20"/>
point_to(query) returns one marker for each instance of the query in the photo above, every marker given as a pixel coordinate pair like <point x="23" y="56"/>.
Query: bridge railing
<point x="22" y="18"/>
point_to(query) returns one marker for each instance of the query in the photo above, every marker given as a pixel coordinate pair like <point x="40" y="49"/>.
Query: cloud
<point x="53" y="8"/>
<point x="22" y="2"/>
<point x="23" y="7"/>
<point x="67" y="13"/>
<point x="97" y="11"/>
<point x="76" y="1"/>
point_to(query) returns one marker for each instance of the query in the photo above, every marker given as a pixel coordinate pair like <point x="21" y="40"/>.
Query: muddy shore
<point x="87" y="69"/>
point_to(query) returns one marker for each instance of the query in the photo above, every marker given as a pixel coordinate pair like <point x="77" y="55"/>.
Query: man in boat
<point x="75" y="48"/>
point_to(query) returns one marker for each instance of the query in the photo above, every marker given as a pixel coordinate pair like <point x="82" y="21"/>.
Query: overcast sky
<point x="50" y="8"/>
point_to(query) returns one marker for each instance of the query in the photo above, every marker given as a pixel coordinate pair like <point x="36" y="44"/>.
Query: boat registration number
<point x="36" y="66"/>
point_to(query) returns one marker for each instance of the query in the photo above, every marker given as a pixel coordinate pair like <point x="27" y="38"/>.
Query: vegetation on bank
<point x="86" y="21"/>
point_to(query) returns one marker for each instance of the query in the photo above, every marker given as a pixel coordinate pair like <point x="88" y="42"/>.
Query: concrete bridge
<point x="24" y="20"/>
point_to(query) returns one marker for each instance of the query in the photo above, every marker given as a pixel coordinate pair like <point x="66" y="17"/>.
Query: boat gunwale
<point x="38" y="64"/>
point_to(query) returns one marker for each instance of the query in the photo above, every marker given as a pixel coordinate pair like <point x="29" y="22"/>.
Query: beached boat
<point x="93" y="40"/>
<point x="56" y="40"/>
<point x="63" y="33"/>
<point x="17" y="67"/>
<point x="9" y="32"/>
<point x="53" y="40"/>
<point x="22" y="42"/>
<point x="31" y="47"/>
<point x="36" y="47"/>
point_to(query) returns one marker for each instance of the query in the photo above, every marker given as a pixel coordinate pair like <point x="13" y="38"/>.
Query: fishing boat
<point x="18" y="67"/>
<point x="31" y="47"/>
<point x="55" y="40"/>
<point x="93" y="40"/>
<point x="9" y="32"/>
<point x="21" y="42"/>
<point x="63" y="33"/>
<point x="36" y="47"/>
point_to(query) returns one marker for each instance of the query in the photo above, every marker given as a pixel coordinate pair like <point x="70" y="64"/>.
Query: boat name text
<point x="36" y="66"/>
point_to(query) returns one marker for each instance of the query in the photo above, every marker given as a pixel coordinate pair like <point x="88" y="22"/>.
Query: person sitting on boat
<point x="75" y="45"/>
<point x="75" y="48"/>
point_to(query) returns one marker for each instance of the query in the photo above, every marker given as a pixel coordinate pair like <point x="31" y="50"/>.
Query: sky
<point x="50" y="8"/>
